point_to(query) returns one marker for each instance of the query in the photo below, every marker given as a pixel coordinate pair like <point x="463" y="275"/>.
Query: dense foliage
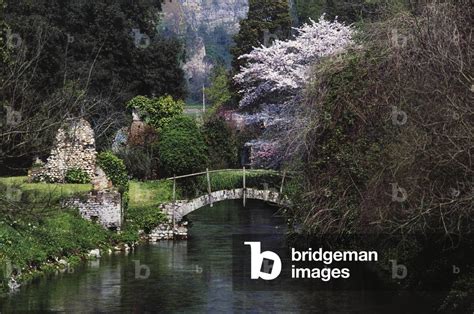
<point x="284" y="67"/>
<point x="36" y="245"/>
<point x="3" y="33"/>
<point x="80" y="58"/>
<point x="76" y="175"/>
<point x="156" y="111"/>
<point x="182" y="148"/>
<point x="349" y="11"/>
<point x="384" y="137"/>
<point x="219" y="93"/>
<point x="141" y="162"/>
<point x="221" y="143"/>
<point x="115" y="170"/>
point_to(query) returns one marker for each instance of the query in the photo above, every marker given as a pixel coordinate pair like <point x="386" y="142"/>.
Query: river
<point x="188" y="276"/>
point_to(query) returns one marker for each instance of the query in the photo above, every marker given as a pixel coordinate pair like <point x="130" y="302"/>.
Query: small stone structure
<point x="167" y="231"/>
<point x="176" y="228"/>
<point x="103" y="204"/>
<point x="74" y="147"/>
<point x="104" y="207"/>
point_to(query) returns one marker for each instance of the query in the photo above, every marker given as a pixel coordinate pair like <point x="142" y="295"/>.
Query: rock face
<point x="74" y="148"/>
<point x="209" y="13"/>
<point x="206" y="25"/>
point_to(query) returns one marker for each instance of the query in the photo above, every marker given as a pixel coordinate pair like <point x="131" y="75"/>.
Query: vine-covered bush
<point x="76" y="175"/>
<point x="385" y="134"/>
<point x="115" y="170"/>
<point x="156" y="111"/>
<point x="182" y="148"/>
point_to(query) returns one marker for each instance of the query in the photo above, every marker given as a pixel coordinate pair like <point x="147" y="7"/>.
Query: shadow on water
<point x="189" y="276"/>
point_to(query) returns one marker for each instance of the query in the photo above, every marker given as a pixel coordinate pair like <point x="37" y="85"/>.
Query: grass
<point x="46" y="188"/>
<point x="256" y="179"/>
<point x="34" y="242"/>
<point x="141" y="193"/>
<point x="150" y="193"/>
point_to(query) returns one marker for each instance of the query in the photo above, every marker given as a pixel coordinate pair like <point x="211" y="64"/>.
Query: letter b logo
<point x="259" y="258"/>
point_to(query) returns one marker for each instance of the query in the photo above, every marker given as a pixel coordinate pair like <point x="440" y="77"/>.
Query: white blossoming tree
<point x="274" y="76"/>
<point x="284" y="66"/>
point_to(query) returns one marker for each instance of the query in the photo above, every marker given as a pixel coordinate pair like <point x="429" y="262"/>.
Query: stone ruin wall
<point x="74" y="147"/>
<point x="105" y="207"/>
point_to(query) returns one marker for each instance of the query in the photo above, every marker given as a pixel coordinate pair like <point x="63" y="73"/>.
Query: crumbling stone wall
<point x="74" y="147"/>
<point x="105" y="207"/>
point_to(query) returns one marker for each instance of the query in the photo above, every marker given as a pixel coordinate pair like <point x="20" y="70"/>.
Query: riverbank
<point x="38" y="236"/>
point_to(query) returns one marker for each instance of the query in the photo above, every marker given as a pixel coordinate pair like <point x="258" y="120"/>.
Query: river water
<point x="189" y="276"/>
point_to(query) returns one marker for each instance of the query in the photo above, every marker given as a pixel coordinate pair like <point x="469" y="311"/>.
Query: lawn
<point x="142" y="194"/>
<point x="18" y="188"/>
<point x="150" y="193"/>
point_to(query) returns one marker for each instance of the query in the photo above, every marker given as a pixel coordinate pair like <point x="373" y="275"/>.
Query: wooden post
<point x="282" y="181"/>
<point x="209" y="185"/>
<point x="174" y="202"/>
<point x="244" y="191"/>
<point x="174" y="188"/>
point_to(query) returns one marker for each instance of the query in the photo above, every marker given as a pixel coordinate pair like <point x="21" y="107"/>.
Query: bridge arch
<point x="177" y="210"/>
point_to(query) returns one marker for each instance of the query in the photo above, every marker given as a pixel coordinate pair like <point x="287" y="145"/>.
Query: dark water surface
<point x="191" y="276"/>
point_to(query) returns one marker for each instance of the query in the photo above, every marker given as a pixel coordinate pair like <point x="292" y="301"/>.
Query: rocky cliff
<point x="208" y="27"/>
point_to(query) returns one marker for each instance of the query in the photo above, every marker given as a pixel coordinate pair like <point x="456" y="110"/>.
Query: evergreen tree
<point x="109" y="46"/>
<point x="266" y="21"/>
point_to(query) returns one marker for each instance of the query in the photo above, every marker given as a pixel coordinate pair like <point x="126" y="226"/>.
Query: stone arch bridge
<point x="177" y="210"/>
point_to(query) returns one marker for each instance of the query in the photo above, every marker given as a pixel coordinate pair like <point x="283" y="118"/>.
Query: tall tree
<point x="111" y="46"/>
<point x="267" y="20"/>
<point x="79" y="58"/>
<point x="3" y="39"/>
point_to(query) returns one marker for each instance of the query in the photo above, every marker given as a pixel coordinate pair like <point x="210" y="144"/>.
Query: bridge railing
<point x="245" y="175"/>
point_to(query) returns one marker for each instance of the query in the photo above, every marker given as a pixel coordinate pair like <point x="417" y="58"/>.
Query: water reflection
<point x="189" y="276"/>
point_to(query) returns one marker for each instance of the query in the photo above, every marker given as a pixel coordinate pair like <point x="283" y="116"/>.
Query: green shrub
<point x="76" y="175"/>
<point x="115" y="170"/>
<point x="221" y="143"/>
<point x="156" y="111"/>
<point x="144" y="218"/>
<point x="31" y="243"/>
<point x="182" y="149"/>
